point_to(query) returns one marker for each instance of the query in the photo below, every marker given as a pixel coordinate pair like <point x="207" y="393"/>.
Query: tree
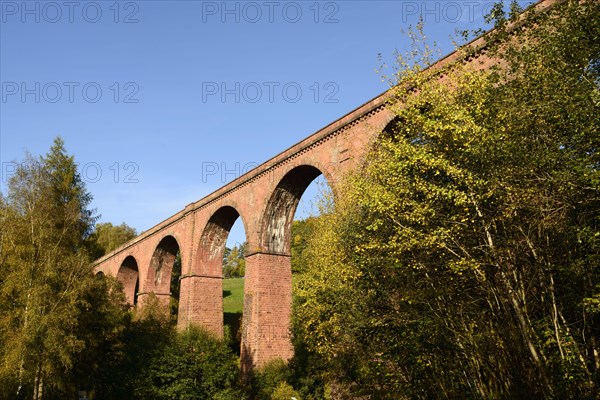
<point x="192" y="365"/>
<point x="175" y="288"/>
<point x="107" y="237"/>
<point x="150" y="359"/>
<point x="234" y="263"/>
<point x="462" y="260"/>
<point x="271" y="381"/>
<point x="51" y="302"/>
<point x="301" y="231"/>
<point x="140" y="336"/>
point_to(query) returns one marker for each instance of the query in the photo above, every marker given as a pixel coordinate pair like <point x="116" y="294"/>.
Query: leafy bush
<point x="193" y="365"/>
<point x="267" y="380"/>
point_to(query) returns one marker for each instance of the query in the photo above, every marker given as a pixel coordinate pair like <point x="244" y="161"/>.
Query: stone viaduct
<point x="265" y="199"/>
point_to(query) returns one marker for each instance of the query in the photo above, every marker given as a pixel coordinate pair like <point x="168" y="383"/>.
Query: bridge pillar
<point x="267" y="310"/>
<point x="201" y="303"/>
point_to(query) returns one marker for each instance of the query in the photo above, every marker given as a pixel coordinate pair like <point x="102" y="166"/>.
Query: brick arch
<point x="202" y="289"/>
<point x="391" y="128"/>
<point x="279" y="213"/>
<point x="129" y="276"/>
<point x="268" y="286"/>
<point x="158" y="277"/>
<point x="209" y="257"/>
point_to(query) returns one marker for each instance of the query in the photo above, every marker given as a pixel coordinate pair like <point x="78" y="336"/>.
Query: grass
<point x="233" y="295"/>
<point x="233" y="307"/>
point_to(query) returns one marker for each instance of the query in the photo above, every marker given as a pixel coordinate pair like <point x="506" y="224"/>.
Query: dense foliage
<point x="55" y="316"/>
<point x="301" y="232"/>
<point x="107" y="237"/>
<point x="65" y="330"/>
<point x="191" y="365"/>
<point x="234" y="263"/>
<point x="463" y="260"/>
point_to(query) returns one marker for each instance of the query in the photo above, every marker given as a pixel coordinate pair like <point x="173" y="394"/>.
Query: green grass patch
<point x="233" y="307"/>
<point x="233" y="295"/>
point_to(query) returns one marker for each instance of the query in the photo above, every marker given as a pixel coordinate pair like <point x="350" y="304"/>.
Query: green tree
<point x="234" y="262"/>
<point x="175" y="288"/>
<point x="107" y="237"/>
<point x="148" y="359"/>
<point x="51" y="302"/>
<point x="301" y="231"/>
<point x="271" y="381"/>
<point x="192" y="365"/>
<point x="140" y="336"/>
<point x="462" y="261"/>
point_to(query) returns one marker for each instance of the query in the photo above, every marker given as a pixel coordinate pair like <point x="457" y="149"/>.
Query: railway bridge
<point x="265" y="199"/>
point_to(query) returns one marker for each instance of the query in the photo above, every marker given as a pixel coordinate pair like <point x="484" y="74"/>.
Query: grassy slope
<point x="233" y="306"/>
<point x="233" y="295"/>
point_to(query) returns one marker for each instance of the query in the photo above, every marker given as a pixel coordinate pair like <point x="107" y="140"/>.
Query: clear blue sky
<point x="152" y="96"/>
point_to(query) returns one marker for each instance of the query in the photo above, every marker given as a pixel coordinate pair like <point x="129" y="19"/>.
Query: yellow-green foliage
<point x="461" y="261"/>
<point x="327" y="288"/>
<point x="285" y="391"/>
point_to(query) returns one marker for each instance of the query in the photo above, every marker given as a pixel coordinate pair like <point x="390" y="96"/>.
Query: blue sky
<point x="163" y="102"/>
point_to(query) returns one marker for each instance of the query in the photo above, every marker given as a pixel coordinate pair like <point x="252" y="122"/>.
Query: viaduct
<point x="265" y="199"/>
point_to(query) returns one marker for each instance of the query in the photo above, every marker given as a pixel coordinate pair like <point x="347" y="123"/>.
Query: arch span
<point x="209" y="258"/>
<point x="391" y="128"/>
<point x="129" y="276"/>
<point x="279" y="213"/>
<point x="158" y="277"/>
<point x="203" y="304"/>
<point x="268" y="286"/>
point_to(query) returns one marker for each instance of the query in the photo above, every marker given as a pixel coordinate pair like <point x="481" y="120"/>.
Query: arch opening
<point x="220" y="266"/>
<point x="268" y="298"/>
<point x="163" y="274"/>
<point x="212" y="242"/>
<point x="128" y="275"/>
<point x="281" y="208"/>
<point x="392" y="128"/>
